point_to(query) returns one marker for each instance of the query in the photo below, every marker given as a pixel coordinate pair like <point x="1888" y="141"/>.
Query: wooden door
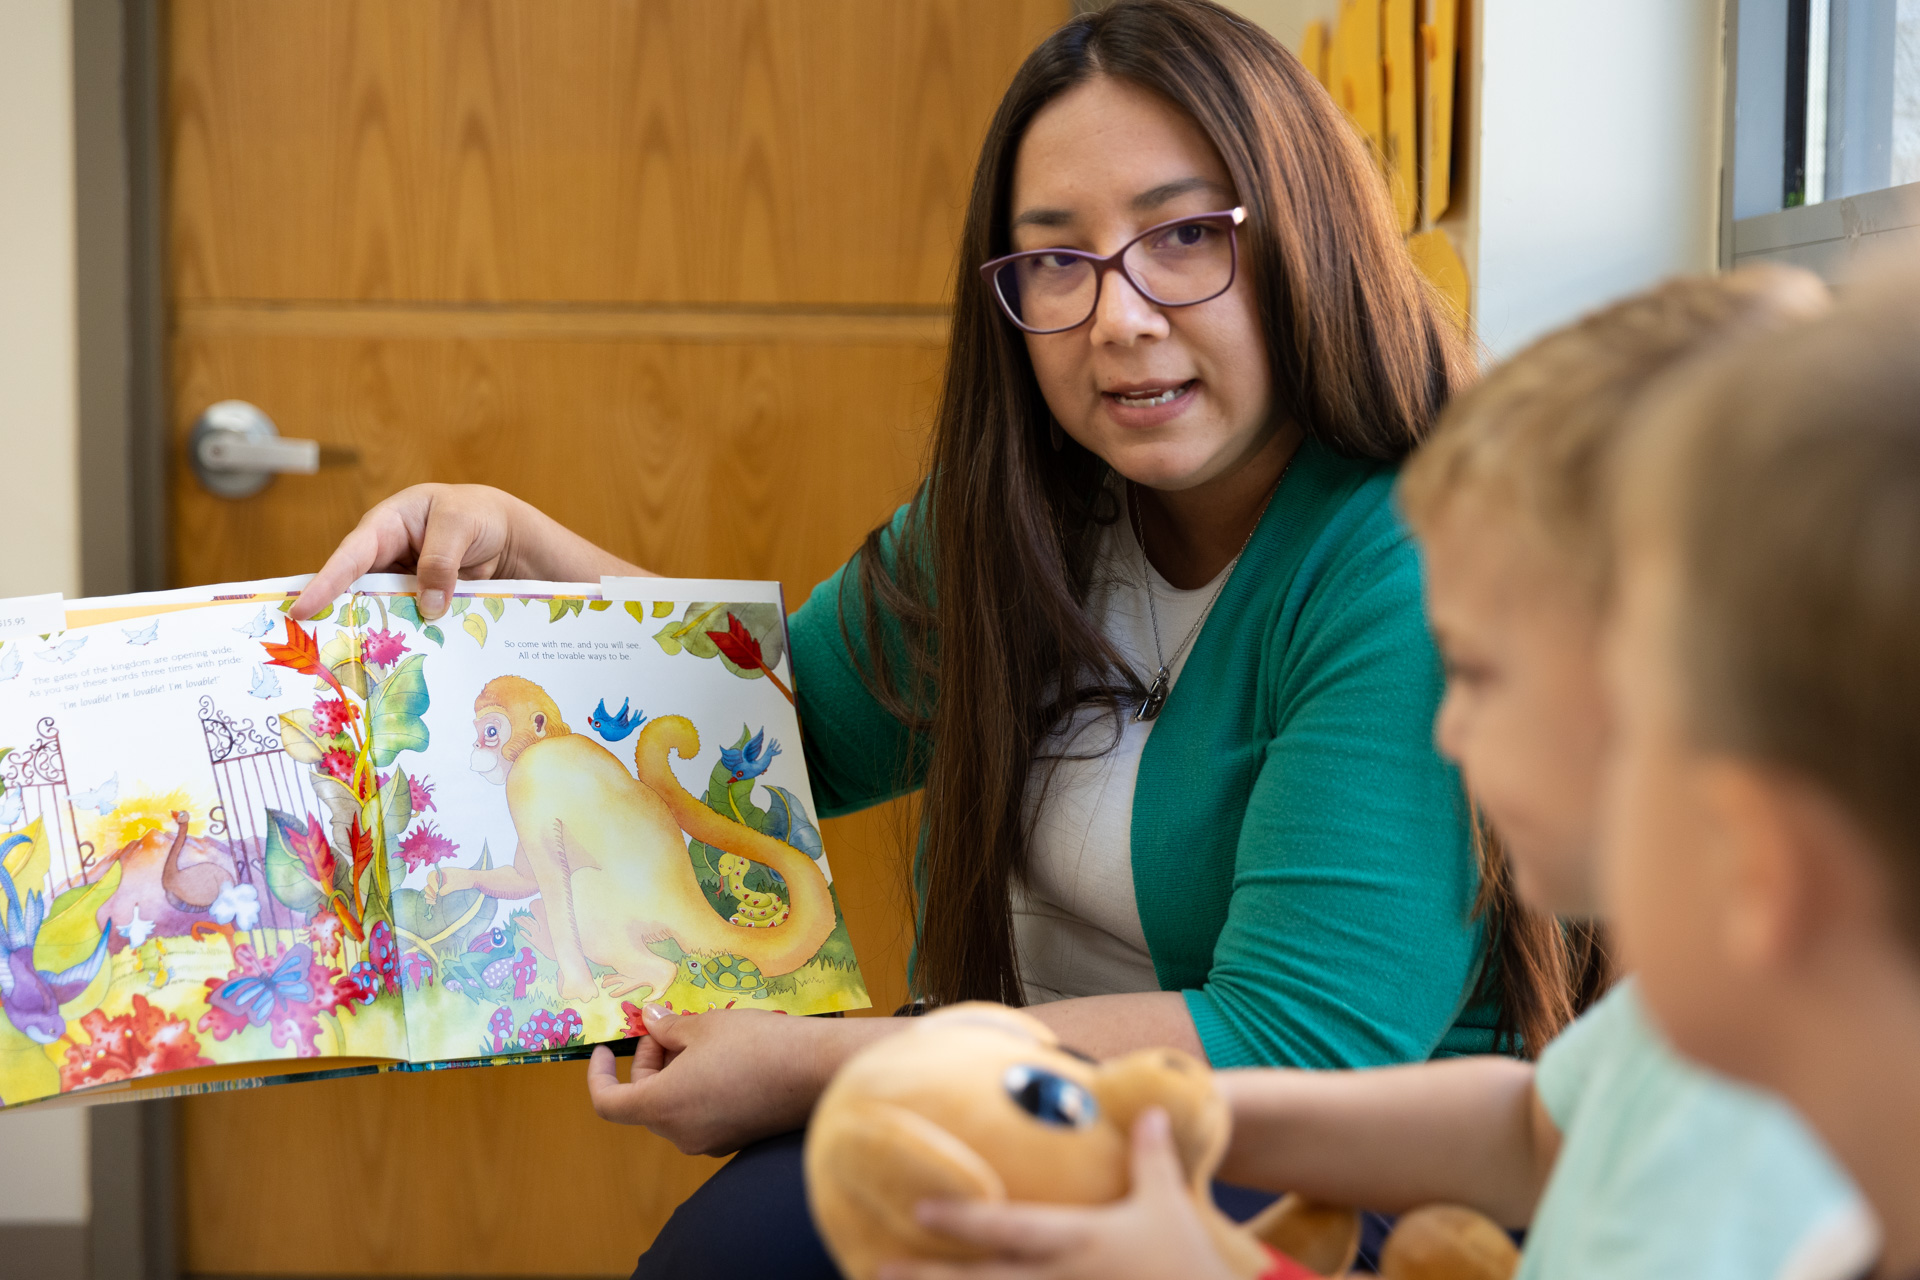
<point x="675" y="271"/>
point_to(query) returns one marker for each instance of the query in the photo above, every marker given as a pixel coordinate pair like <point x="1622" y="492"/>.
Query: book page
<point x="609" y="806"/>
<point x="178" y="892"/>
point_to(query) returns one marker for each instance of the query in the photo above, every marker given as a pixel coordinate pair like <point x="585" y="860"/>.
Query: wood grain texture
<point x="866" y="326"/>
<point x="615" y="150"/>
<point x="766" y="460"/>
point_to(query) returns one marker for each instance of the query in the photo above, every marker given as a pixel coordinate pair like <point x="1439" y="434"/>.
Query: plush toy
<point x="981" y="1101"/>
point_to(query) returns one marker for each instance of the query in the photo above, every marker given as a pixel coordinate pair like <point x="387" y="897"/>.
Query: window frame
<point x="1826" y="238"/>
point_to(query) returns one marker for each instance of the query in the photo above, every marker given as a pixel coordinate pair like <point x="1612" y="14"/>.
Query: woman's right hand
<point x="445" y="532"/>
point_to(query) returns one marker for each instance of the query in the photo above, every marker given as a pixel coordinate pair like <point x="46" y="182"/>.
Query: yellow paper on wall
<point x="1440" y="263"/>
<point x="1356" y="68"/>
<point x="1400" y="89"/>
<point x="1314" y="49"/>
<point x="1439" y="50"/>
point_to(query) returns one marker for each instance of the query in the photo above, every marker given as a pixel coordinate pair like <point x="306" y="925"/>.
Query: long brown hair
<point x="975" y="628"/>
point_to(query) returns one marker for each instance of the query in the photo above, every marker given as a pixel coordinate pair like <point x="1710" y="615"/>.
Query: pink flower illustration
<point x="338" y="764"/>
<point x="384" y="648"/>
<point x="425" y="846"/>
<point x="331" y="716"/>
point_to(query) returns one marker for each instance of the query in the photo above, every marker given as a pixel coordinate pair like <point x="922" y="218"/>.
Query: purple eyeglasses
<point x="1174" y="264"/>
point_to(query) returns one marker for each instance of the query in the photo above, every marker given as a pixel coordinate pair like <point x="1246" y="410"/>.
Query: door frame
<point x="121" y="338"/>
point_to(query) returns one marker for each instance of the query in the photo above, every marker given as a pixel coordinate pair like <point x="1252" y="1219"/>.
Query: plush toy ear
<point x="1320" y="1237"/>
<point x="1167" y="1078"/>
<point x="872" y="1162"/>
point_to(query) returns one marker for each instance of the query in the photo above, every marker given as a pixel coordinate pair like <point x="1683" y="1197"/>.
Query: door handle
<point x="236" y="451"/>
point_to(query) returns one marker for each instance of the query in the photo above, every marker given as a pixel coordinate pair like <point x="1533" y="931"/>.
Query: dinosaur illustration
<point x="605" y="853"/>
<point x="30" y="997"/>
<point x="195" y="887"/>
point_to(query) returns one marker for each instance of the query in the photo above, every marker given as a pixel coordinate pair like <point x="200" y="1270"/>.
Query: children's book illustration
<point x="229" y="839"/>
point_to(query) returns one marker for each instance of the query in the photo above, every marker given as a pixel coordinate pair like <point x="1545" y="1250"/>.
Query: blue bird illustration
<point x="752" y="760"/>
<point x="611" y="727"/>
<point x="29" y="997"/>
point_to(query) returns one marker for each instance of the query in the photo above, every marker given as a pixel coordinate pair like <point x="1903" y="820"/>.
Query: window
<point x="1825" y="145"/>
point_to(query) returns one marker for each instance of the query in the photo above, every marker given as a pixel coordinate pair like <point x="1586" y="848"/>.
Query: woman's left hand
<point x="713" y="1082"/>
<point x="1154" y="1232"/>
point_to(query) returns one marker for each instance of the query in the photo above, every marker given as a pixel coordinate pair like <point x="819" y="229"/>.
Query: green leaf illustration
<point x="72" y="928"/>
<point x="638" y="610"/>
<point x="405" y="607"/>
<point x="287" y="879"/>
<point x="787" y="820"/>
<point x="298" y="738"/>
<point x="434" y="634"/>
<point x="599" y="606"/>
<point x="495" y="606"/>
<point x="395" y="710"/>
<point x="460" y="605"/>
<point x="763" y="621"/>
<point x="396" y="808"/>
<point x="558" y="609"/>
<point x="476" y="626"/>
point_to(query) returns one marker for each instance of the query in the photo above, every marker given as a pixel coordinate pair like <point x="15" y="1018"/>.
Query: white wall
<point x="1598" y="149"/>
<point x="44" y="1175"/>
<point x="1599" y="155"/>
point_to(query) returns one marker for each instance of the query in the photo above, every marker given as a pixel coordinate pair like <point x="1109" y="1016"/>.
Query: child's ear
<point x="1766" y="859"/>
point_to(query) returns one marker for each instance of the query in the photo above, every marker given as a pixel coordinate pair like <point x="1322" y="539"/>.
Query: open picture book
<point x="236" y="849"/>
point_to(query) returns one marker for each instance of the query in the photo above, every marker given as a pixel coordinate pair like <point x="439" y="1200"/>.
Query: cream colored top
<point x="1076" y="924"/>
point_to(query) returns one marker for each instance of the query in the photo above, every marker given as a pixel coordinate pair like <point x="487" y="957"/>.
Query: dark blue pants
<point x="750" y="1221"/>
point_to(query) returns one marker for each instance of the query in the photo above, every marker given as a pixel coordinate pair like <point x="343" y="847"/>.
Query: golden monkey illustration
<point x="606" y="854"/>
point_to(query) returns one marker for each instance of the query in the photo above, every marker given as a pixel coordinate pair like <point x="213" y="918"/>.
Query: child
<point x="1657" y="1169"/>
<point x="1764" y="810"/>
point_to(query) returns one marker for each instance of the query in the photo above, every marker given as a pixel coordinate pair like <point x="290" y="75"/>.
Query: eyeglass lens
<point x="1177" y="266"/>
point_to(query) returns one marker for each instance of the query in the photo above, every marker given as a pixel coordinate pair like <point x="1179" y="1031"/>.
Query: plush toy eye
<point x="1049" y="1098"/>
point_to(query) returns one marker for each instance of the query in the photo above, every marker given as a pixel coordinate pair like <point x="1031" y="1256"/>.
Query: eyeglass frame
<point x="1115" y="262"/>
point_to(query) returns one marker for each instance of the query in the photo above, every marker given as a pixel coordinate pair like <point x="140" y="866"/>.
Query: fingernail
<point x="653" y="1013"/>
<point x="1154" y="1121"/>
<point x="433" y="603"/>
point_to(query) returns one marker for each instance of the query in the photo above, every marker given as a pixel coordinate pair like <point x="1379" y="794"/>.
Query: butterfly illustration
<point x="143" y="635"/>
<point x="10" y="663"/>
<point x="258" y="625"/>
<point x="256" y="996"/>
<point x="64" y="651"/>
<point x="265" y="683"/>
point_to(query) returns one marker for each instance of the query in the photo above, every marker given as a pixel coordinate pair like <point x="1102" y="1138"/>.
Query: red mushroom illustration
<point x="526" y="967"/>
<point x="500" y="1026"/>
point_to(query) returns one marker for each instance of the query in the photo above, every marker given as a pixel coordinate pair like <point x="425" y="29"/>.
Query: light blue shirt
<point x="1666" y="1170"/>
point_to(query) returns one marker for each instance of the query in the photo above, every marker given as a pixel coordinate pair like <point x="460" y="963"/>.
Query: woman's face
<point x="1170" y="397"/>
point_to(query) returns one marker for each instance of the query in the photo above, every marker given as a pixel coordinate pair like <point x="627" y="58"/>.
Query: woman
<point x="1149" y="636"/>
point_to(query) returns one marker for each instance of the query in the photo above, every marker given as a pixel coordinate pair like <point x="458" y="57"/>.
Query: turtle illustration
<point x="734" y="975"/>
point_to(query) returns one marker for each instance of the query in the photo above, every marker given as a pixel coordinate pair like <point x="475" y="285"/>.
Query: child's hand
<point x="1154" y="1232"/>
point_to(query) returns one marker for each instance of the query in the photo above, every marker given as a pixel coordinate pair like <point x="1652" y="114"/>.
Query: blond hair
<point x="1538" y="433"/>
<point x="1785" y="478"/>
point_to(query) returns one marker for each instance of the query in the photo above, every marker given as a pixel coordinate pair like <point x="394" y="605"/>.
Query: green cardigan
<point x="1301" y="855"/>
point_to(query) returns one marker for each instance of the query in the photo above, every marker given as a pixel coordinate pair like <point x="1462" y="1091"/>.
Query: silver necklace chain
<point x="1163" y="678"/>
